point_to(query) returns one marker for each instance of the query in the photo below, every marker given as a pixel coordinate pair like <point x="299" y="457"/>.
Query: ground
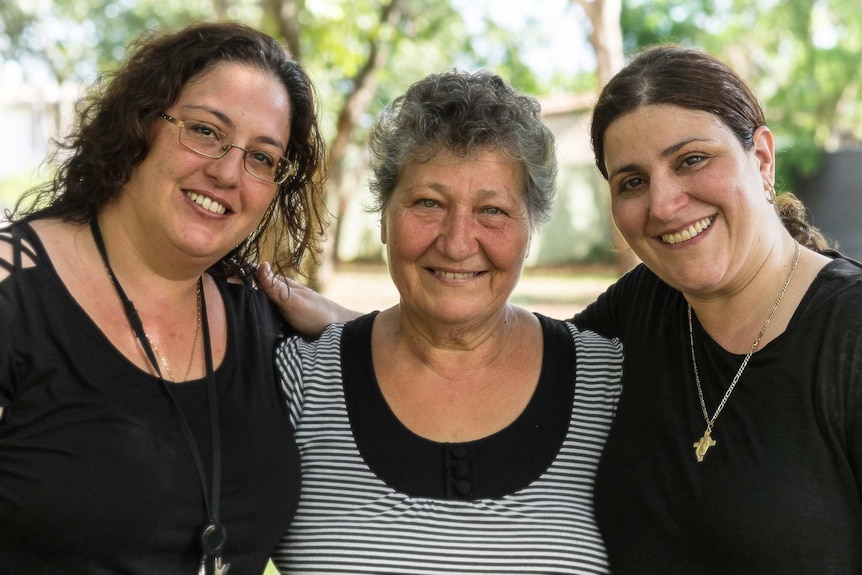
<point x="558" y="293"/>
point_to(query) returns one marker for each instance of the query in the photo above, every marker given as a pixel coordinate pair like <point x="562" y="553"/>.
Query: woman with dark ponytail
<point x="737" y="442"/>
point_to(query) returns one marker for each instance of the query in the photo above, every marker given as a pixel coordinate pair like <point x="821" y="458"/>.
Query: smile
<point x="456" y="275"/>
<point x="206" y="203"/>
<point x="693" y="230"/>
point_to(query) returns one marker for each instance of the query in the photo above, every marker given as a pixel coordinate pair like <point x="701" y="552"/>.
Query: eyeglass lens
<point x="209" y="141"/>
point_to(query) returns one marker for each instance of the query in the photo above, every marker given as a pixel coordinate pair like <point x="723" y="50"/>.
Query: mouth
<point x="455" y="275"/>
<point x="207" y="203"/>
<point x="690" y="232"/>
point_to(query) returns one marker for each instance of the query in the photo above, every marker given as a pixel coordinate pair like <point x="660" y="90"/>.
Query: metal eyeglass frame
<point x="226" y="148"/>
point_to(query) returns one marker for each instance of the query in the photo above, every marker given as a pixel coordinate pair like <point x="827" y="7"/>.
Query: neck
<point x="140" y="266"/>
<point x="160" y="318"/>
<point x="454" y="348"/>
<point x="763" y="303"/>
<point x="163" y="300"/>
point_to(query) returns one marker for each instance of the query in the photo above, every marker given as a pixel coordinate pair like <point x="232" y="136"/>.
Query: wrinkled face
<point x="199" y="206"/>
<point x="457" y="233"/>
<point x="687" y="197"/>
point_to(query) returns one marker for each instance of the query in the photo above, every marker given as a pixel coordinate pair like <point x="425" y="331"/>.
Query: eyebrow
<point x="667" y="152"/>
<point x="229" y="123"/>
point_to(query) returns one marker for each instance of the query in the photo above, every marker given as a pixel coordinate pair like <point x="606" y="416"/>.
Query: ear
<point x="764" y="153"/>
<point x="383" y="228"/>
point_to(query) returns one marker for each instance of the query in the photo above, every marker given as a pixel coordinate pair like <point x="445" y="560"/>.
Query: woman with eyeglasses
<point x="141" y="427"/>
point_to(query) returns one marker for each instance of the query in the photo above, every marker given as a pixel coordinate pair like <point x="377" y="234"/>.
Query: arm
<point x="306" y="310"/>
<point x="623" y="306"/>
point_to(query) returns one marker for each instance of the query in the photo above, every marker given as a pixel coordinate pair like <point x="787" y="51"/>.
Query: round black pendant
<point x="213" y="538"/>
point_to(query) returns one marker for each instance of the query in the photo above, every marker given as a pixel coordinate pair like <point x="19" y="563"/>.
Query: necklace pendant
<point x="702" y="445"/>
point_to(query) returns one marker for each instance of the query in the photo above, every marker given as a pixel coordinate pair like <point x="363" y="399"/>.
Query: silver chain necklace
<point x="705" y="442"/>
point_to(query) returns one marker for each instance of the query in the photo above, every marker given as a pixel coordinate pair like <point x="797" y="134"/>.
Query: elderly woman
<point x="453" y="432"/>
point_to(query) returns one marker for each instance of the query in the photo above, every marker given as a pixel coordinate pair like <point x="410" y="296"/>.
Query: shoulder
<point x="838" y="285"/>
<point x="250" y="307"/>
<point x="598" y="363"/>
<point x="842" y="268"/>
<point x="350" y="339"/>
<point x="590" y="341"/>
<point x="636" y="300"/>
<point x="19" y="248"/>
<point x="303" y="363"/>
<point x="300" y="350"/>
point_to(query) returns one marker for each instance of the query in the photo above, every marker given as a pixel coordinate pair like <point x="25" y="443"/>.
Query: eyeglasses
<point x="208" y="141"/>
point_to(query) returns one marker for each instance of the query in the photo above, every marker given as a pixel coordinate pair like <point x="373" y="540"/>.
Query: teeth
<point x="687" y="233"/>
<point x="206" y="203"/>
<point x="454" y="275"/>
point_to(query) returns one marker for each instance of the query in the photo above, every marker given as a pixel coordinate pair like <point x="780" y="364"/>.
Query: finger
<point x="273" y="285"/>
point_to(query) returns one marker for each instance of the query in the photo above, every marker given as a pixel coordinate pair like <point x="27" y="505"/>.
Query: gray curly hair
<point x="465" y="113"/>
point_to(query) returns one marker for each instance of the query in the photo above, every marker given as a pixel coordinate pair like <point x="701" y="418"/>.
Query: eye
<point x="630" y="185"/>
<point x="493" y="210"/>
<point x="692" y="160"/>
<point x="203" y="131"/>
<point x="427" y="203"/>
<point x="261" y="157"/>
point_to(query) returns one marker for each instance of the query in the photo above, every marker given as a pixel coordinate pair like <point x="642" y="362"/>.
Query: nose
<point x="457" y="235"/>
<point x="228" y="169"/>
<point x="667" y="195"/>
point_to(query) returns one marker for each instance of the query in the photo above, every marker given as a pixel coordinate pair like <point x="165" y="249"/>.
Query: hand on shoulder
<point x="306" y="310"/>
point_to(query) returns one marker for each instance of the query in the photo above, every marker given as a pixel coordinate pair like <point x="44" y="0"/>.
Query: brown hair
<point x="693" y="79"/>
<point x="111" y="137"/>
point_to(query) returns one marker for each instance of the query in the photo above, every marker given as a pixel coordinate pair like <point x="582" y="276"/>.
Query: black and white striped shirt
<point x="378" y="499"/>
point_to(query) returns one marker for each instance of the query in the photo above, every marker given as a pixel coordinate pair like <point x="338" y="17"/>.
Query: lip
<point x="208" y="203"/>
<point x="454" y="275"/>
<point x="687" y="233"/>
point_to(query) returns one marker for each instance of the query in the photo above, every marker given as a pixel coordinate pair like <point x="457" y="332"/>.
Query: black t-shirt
<point x="95" y="475"/>
<point x="781" y="491"/>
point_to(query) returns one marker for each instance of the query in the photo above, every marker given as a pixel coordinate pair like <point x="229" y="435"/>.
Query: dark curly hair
<point x="112" y="136"/>
<point x="465" y="113"/>
<point x="693" y="79"/>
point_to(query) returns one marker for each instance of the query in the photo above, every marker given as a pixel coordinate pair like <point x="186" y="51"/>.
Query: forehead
<point x="658" y="126"/>
<point x="243" y="92"/>
<point x="484" y="170"/>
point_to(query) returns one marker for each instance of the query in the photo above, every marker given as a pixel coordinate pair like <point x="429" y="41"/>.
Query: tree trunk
<point x="356" y="103"/>
<point x="606" y="39"/>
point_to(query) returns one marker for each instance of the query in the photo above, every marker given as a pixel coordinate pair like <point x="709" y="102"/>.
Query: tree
<point x="605" y="36"/>
<point x="808" y="77"/>
<point x="360" y="52"/>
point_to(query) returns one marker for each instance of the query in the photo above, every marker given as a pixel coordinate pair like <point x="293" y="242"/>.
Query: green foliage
<point x="335" y="37"/>
<point x="75" y="39"/>
<point x="802" y="57"/>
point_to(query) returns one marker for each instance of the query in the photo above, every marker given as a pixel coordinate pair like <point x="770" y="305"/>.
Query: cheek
<point x="508" y="250"/>
<point x="407" y="238"/>
<point x="623" y="213"/>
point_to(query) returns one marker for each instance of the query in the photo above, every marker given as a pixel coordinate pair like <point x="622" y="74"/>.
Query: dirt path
<point x="558" y="293"/>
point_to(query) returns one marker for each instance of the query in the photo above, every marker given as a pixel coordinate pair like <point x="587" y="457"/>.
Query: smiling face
<point x="687" y="197"/>
<point x="203" y="207"/>
<point x="457" y="233"/>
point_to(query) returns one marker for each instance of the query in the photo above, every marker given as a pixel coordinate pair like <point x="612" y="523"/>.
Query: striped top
<point x="378" y="499"/>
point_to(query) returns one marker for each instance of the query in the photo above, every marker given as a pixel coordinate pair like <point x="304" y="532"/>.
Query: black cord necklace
<point x="214" y="534"/>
